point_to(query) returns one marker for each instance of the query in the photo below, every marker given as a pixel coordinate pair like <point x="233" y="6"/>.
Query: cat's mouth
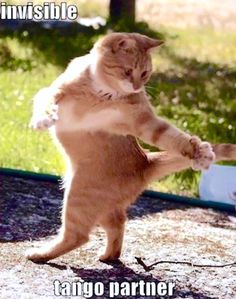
<point x="128" y="88"/>
<point x="119" y="88"/>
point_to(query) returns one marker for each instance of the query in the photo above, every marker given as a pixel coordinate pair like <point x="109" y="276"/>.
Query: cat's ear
<point x="147" y="43"/>
<point x="123" y="44"/>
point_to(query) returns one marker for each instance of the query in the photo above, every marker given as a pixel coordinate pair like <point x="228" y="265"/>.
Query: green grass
<point x="195" y="78"/>
<point x="21" y="148"/>
<point x="193" y="86"/>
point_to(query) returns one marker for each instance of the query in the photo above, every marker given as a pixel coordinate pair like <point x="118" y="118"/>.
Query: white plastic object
<point x="218" y="183"/>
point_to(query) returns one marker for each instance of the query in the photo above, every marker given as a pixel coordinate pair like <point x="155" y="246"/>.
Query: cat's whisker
<point x="150" y="87"/>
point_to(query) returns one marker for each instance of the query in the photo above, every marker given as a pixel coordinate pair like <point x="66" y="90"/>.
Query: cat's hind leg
<point x="62" y="244"/>
<point x="163" y="164"/>
<point x="77" y="223"/>
<point x="113" y="224"/>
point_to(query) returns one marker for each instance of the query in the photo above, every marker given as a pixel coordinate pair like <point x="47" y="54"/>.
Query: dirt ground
<point x="156" y="231"/>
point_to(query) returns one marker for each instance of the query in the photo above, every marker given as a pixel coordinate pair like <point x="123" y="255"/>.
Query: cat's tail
<point x="225" y="151"/>
<point x="162" y="164"/>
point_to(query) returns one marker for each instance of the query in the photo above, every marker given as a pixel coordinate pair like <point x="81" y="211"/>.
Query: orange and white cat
<point x="96" y="109"/>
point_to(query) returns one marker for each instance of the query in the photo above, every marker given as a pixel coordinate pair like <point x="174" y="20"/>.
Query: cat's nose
<point x="136" y="85"/>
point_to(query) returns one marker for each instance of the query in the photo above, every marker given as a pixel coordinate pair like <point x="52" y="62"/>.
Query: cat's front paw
<point x="45" y="121"/>
<point x="203" y="154"/>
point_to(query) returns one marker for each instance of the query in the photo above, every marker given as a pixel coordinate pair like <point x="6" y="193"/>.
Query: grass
<point x="193" y="86"/>
<point x="195" y="77"/>
<point x="91" y="9"/>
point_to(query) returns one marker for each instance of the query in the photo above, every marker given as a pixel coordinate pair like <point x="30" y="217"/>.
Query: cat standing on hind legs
<point x="101" y="107"/>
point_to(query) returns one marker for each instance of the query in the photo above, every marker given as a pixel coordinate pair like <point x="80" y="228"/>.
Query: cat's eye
<point x="128" y="72"/>
<point x="144" y="74"/>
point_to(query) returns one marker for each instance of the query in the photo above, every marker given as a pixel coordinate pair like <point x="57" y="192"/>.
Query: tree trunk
<point x="122" y="10"/>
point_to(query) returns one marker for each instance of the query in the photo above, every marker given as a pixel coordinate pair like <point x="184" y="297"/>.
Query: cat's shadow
<point x="119" y="272"/>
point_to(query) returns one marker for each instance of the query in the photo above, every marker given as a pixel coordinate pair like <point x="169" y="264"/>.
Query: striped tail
<point x="225" y="152"/>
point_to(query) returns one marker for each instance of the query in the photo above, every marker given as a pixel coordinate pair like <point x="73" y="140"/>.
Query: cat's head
<point x="123" y="61"/>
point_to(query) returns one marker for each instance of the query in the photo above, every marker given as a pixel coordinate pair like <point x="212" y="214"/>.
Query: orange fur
<point x="102" y="107"/>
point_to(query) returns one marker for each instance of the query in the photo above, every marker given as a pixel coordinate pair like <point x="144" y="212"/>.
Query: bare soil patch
<point x="156" y="231"/>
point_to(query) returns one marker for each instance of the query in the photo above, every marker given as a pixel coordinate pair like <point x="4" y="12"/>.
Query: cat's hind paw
<point x="204" y="155"/>
<point x="35" y="255"/>
<point x="110" y="257"/>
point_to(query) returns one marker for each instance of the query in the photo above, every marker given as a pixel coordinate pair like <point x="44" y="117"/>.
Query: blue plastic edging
<point x="190" y="201"/>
